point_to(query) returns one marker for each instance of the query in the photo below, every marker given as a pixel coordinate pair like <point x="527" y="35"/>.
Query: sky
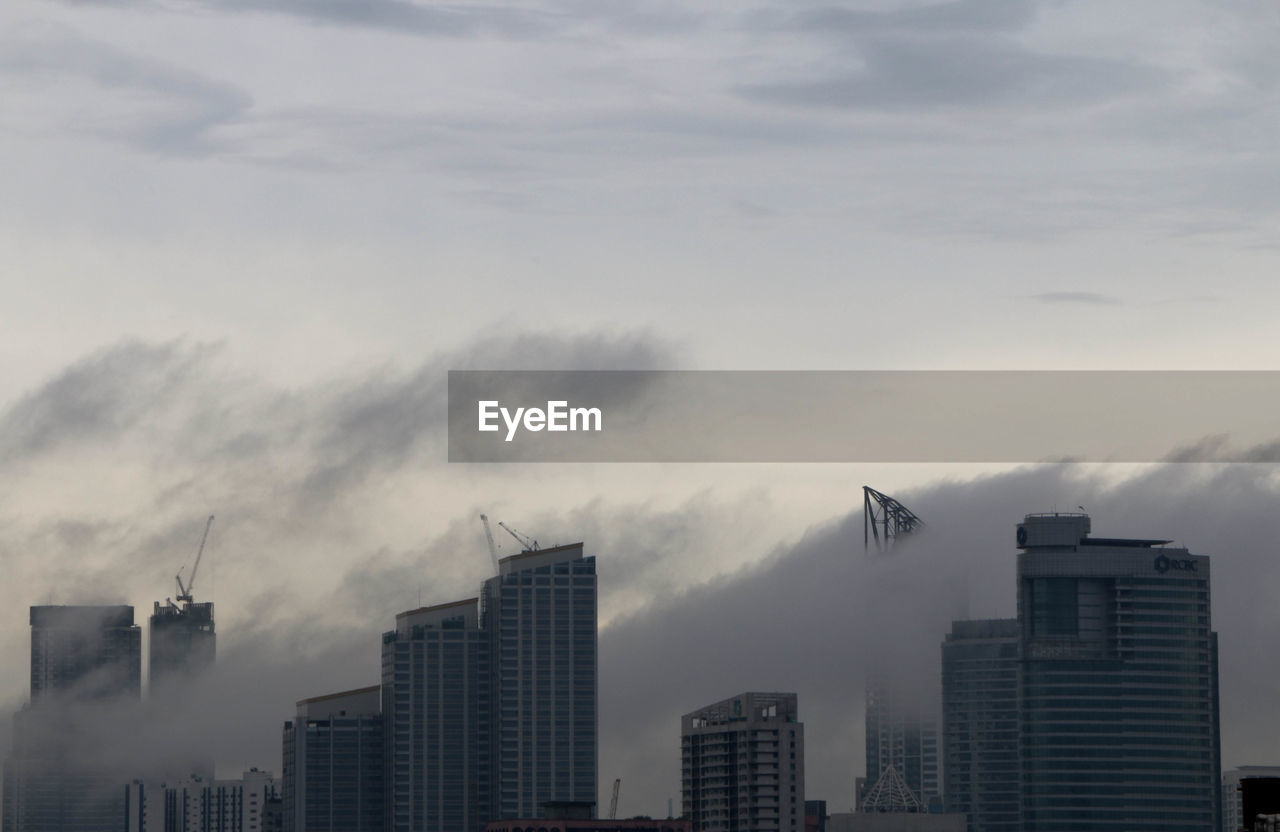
<point x="242" y="242"/>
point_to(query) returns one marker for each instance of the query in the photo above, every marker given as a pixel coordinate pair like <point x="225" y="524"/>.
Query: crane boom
<point x="613" y="804"/>
<point x="184" y="592"/>
<point x="529" y="544"/>
<point x="493" y="547"/>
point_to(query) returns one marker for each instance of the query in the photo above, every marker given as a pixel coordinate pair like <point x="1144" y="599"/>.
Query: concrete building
<point x="491" y="703"/>
<point x="1260" y="784"/>
<point x="742" y="765"/>
<point x="980" y="723"/>
<point x="1118" y="685"/>
<point x="436" y="684"/>
<point x="900" y="735"/>
<point x="199" y="805"/>
<point x="334" y="764"/>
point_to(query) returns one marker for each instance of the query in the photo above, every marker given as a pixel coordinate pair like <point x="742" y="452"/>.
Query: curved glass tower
<point x="1118" y="683"/>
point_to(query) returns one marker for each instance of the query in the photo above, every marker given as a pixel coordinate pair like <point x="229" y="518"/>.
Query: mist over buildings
<point x="336" y="512"/>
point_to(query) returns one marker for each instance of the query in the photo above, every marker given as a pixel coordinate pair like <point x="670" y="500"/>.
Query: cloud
<point x="151" y="105"/>
<point x="903" y="74"/>
<point x="336" y="511"/>
<point x="1085" y="298"/>
<point x="963" y="16"/>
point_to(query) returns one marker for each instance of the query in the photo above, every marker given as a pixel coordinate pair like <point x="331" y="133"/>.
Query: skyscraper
<point x="490" y="704"/>
<point x="980" y="723"/>
<point x="540" y="613"/>
<point x="901" y="735"/>
<point x="183" y="642"/>
<point x="1118" y="685"/>
<point x="334" y="763"/>
<point x="436" y="686"/>
<point x="742" y="765"/>
<point x="86" y="669"/>
<point x="85" y="653"/>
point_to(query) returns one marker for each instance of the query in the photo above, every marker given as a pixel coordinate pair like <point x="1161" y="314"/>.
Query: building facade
<point x="980" y="723"/>
<point x="436" y="707"/>
<point x="183" y="642"/>
<point x="250" y="804"/>
<point x="1260" y="785"/>
<point x="1118" y="685"/>
<point x="334" y="763"/>
<point x="490" y="704"/>
<point x="742" y="765"/>
<point x="85" y="653"/>
<point x="86" y="667"/>
<point x="540" y="614"/>
<point x="898" y="735"/>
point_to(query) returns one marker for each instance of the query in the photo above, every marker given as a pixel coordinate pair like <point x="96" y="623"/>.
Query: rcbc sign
<point x="1164" y="563"/>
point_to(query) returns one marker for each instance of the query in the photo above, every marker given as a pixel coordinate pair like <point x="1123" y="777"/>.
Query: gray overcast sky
<point x="241" y="241"/>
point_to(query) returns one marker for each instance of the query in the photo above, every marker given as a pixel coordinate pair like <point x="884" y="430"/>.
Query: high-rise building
<point x="980" y="723"/>
<point x="540" y="614"/>
<point x="436" y="683"/>
<point x="334" y="764"/>
<point x="742" y="765"/>
<point x="198" y="805"/>
<point x="1259" y="786"/>
<point x="900" y="734"/>
<point x="1118" y="687"/>
<point x="86" y="669"/>
<point x="183" y="642"/>
<point x="490" y="704"/>
<point x="85" y="653"/>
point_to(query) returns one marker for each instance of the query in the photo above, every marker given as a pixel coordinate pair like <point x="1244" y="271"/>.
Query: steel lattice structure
<point x="885" y="519"/>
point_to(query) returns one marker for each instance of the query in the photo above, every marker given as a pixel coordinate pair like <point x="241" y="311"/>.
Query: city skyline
<point x="826" y="753"/>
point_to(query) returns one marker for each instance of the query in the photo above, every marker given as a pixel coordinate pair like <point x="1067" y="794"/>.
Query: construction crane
<point x="493" y="547"/>
<point x="529" y="544"/>
<point x="184" y="592"/>
<point x="885" y="519"/>
<point x="613" y="804"/>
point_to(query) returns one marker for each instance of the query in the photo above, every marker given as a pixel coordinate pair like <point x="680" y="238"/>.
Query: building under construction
<point x="183" y="641"/>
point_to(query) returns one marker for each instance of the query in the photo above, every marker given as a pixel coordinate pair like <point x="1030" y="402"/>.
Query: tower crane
<point x="529" y="544"/>
<point x="493" y="547"/>
<point x="613" y="804"/>
<point x="184" y="592"/>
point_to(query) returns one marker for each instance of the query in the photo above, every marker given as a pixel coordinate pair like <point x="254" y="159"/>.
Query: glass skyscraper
<point x="490" y="704"/>
<point x="540" y="613"/>
<point x="334" y="764"/>
<point x="436" y="706"/>
<point x="1118" y="685"/>
<point x="980" y="723"/>
<point x="901" y="736"/>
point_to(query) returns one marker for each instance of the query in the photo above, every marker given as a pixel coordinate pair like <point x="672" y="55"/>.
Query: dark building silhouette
<point x="183" y="642"/>
<point x="980" y="723"/>
<point x="334" y="762"/>
<point x="491" y="703"/>
<point x="86" y="668"/>
<point x="84" y="653"/>
<point x="437" y="680"/>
